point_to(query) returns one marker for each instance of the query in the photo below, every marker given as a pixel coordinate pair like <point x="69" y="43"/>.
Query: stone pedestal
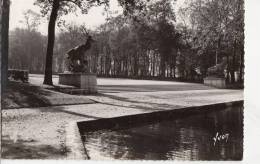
<point x="84" y="82"/>
<point x="215" y="82"/>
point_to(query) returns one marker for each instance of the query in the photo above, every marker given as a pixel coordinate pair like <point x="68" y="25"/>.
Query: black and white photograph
<point x="104" y="80"/>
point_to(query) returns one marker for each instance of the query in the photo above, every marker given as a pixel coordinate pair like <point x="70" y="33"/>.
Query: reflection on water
<point x="189" y="138"/>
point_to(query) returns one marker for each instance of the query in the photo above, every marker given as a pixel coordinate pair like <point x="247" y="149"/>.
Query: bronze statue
<point x="76" y="61"/>
<point x="218" y="70"/>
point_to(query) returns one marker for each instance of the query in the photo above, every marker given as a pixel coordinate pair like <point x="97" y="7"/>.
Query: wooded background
<point x="148" y="43"/>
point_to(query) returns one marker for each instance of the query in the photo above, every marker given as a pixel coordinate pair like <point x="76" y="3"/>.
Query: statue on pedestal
<point x="216" y="75"/>
<point x="76" y="62"/>
<point x="218" y="70"/>
<point x="78" y="74"/>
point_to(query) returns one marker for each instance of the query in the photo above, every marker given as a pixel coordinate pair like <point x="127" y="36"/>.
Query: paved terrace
<point x="40" y="132"/>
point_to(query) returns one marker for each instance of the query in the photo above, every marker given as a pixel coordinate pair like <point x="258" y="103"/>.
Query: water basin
<point x="215" y="135"/>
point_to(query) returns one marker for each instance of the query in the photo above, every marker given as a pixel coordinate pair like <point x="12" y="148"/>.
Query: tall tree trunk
<point x="162" y="65"/>
<point x="241" y="67"/>
<point x="174" y="71"/>
<point x="218" y="49"/>
<point x="51" y="40"/>
<point x="167" y="71"/>
<point x="126" y="67"/>
<point x="228" y="70"/>
<point x="171" y="70"/>
<point x="153" y="64"/>
<point x="174" y="66"/>
<point x="102" y="66"/>
<point x="135" y="66"/>
<point x="4" y="42"/>
<point x="184" y="67"/>
<point x="233" y="63"/>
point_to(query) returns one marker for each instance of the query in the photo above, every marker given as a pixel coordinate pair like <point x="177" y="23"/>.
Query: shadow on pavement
<point x="24" y="95"/>
<point x="61" y="109"/>
<point x="19" y="94"/>
<point x="137" y="104"/>
<point x="22" y="149"/>
<point x="152" y="88"/>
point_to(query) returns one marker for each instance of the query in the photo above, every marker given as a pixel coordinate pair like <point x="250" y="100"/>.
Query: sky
<point x="93" y="19"/>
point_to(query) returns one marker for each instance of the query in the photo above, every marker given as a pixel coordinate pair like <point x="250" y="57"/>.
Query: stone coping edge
<point x="76" y="74"/>
<point x="75" y="149"/>
<point x="74" y="139"/>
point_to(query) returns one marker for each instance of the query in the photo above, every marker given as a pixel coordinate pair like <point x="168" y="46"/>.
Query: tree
<point x="27" y="50"/>
<point x="218" y="26"/>
<point x="27" y="44"/>
<point x="162" y="17"/>
<point x="5" y="8"/>
<point x="141" y="44"/>
<point x="31" y="20"/>
<point x="58" y="8"/>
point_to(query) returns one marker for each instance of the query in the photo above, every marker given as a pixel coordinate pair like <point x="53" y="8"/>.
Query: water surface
<point x="188" y="138"/>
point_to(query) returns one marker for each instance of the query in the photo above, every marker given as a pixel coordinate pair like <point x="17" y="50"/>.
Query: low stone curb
<point x="74" y="145"/>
